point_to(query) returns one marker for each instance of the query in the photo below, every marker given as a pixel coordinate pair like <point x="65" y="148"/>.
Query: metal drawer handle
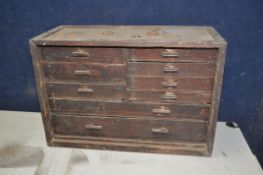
<point x="161" y="130"/>
<point x="169" y="84"/>
<point x="162" y="110"/>
<point x="82" y="72"/>
<point x="84" y="90"/>
<point x="168" y="53"/>
<point x="170" y="68"/>
<point x="80" y="53"/>
<point x="169" y="96"/>
<point x="95" y="127"/>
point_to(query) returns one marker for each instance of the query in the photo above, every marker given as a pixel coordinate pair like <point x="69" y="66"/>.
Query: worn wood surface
<point x="119" y="108"/>
<point x="132" y="36"/>
<point x="86" y="90"/>
<point x="173" y="55"/>
<point x="169" y="83"/>
<point x="169" y="96"/>
<point x="150" y="86"/>
<point x="85" y="72"/>
<point x="41" y="91"/>
<point x="83" y="54"/>
<point x="172" y="69"/>
<point x="130" y="128"/>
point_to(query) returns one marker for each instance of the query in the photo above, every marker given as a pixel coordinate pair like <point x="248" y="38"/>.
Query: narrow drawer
<point x="171" y="83"/>
<point x="85" y="72"/>
<point x="178" y="97"/>
<point x="87" y="91"/>
<point x="83" y="54"/>
<point x="127" y="128"/>
<point x="173" y="55"/>
<point x="130" y="109"/>
<point x="172" y="69"/>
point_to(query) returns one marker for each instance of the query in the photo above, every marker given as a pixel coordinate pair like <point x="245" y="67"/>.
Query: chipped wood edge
<point x="41" y="36"/>
<point x="41" y="91"/>
<point x="138" y="44"/>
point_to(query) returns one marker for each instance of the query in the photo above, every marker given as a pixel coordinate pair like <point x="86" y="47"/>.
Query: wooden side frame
<point x="41" y="91"/>
<point x="218" y="81"/>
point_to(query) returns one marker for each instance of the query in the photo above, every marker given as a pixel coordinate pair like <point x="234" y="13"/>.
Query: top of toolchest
<point x="131" y="36"/>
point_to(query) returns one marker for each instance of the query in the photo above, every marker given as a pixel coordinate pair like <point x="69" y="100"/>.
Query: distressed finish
<point x="136" y="88"/>
<point x="130" y="128"/>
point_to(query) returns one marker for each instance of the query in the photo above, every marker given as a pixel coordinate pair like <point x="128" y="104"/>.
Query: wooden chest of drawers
<point x="135" y="88"/>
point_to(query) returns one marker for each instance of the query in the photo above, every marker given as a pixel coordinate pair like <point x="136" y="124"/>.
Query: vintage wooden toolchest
<point x="135" y="88"/>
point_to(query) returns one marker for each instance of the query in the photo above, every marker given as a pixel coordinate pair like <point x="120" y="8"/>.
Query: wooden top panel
<point x="130" y="36"/>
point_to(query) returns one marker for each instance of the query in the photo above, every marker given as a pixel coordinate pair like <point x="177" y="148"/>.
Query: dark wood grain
<point x="91" y="55"/>
<point x="129" y="109"/>
<point x="170" y="96"/>
<point x="181" y="55"/>
<point x="184" y="69"/>
<point x="130" y="128"/>
<point x="157" y="83"/>
<point x="41" y="91"/>
<point x="86" y="90"/>
<point x="98" y="72"/>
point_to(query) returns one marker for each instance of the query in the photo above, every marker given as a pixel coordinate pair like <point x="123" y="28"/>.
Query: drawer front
<point x="87" y="91"/>
<point x="83" y="54"/>
<point x="169" y="96"/>
<point x="174" y="55"/>
<point x="172" y="69"/>
<point x="130" y="109"/>
<point x="171" y="83"/>
<point x="85" y="72"/>
<point x="127" y="128"/>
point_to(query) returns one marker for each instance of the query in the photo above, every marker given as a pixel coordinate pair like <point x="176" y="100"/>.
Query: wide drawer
<point x="85" y="72"/>
<point x="172" y="69"/>
<point x="83" y="54"/>
<point x="130" y="128"/>
<point x="126" y="109"/>
<point x="169" y="96"/>
<point x="173" y="55"/>
<point x="171" y="83"/>
<point x="87" y="91"/>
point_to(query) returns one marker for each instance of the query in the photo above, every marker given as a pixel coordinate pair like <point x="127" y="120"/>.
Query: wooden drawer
<point x="172" y="69"/>
<point x="87" y="91"/>
<point x="173" y="55"/>
<point x="85" y="72"/>
<point x="130" y="109"/>
<point x="127" y="128"/>
<point x="83" y="54"/>
<point x="171" y="83"/>
<point x="169" y="96"/>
